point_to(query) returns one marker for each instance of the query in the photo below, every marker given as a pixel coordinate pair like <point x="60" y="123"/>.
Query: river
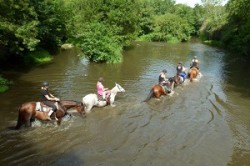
<point x="206" y="122"/>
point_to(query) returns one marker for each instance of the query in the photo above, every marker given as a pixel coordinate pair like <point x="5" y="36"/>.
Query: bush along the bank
<point x="40" y="56"/>
<point x="100" y="45"/>
<point x="4" y="85"/>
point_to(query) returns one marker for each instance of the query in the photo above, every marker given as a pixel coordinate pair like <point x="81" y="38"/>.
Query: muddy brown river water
<point x="206" y="122"/>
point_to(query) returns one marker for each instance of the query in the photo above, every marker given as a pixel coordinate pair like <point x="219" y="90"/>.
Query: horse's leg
<point x="191" y="76"/>
<point x="19" y="121"/>
<point x="28" y="121"/>
<point x="88" y="108"/>
<point x="59" y="121"/>
<point x="172" y="86"/>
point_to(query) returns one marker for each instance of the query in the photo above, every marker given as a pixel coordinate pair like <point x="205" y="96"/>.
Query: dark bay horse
<point x="193" y="73"/>
<point x="159" y="90"/>
<point x="27" y="112"/>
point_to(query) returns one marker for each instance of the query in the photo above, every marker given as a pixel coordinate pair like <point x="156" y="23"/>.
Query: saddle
<point x="107" y="98"/>
<point x="166" y="88"/>
<point x="40" y="106"/>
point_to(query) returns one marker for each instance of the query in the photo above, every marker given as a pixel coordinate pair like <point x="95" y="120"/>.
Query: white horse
<point x="91" y="100"/>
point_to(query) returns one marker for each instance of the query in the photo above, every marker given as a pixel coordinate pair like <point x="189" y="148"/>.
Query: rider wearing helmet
<point x="48" y="99"/>
<point x="101" y="90"/>
<point x="195" y="63"/>
<point x="180" y="68"/>
<point x="162" y="77"/>
<point x="164" y="81"/>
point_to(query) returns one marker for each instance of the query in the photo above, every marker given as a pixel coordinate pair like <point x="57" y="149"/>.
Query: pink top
<point x="99" y="88"/>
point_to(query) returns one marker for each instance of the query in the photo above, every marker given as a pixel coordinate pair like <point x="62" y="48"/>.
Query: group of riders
<point x="169" y="83"/>
<point x="50" y="100"/>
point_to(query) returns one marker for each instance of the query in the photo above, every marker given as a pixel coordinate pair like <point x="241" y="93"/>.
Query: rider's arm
<point x="52" y="98"/>
<point x="164" y="77"/>
<point x="183" y="69"/>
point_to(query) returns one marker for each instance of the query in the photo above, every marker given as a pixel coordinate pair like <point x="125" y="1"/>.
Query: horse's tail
<point x="19" y="119"/>
<point x="149" y="95"/>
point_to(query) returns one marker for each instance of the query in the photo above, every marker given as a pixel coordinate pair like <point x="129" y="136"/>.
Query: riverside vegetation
<point x="102" y="29"/>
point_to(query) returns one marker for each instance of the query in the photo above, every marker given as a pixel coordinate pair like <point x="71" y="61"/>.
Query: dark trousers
<point x="51" y="104"/>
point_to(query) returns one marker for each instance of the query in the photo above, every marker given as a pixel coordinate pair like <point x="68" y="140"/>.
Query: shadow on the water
<point x="237" y="71"/>
<point x="17" y="147"/>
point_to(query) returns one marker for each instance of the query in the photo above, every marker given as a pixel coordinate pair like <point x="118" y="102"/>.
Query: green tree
<point x="186" y="13"/>
<point x="118" y="18"/>
<point x="214" y="19"/>
<point x="52" y="22"/>
<point x="99" y="43"/>
<point x="26" y="25"/>
<point x="171" y="27"/>
<point x="146" y="19"/>
<point x="162" y="6"/>
<point x="199" y="15"/>
<point x="18" y="26"/>
<point x="236" y="35"/>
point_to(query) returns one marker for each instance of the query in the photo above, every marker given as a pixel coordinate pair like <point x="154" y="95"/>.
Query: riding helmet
<point x="45" y="84"/>
<point x="195" y="57"/>
<point x="100" y="79"/>
<point x="164" y="71"/>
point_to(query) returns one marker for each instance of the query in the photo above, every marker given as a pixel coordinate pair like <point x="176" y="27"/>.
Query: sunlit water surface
<point x="206" y="122"/>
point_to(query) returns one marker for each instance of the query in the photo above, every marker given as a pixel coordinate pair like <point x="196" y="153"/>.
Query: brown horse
<point x="68" y="104"/>
<point x="193" y="73"/>
<point x="159" y="90"/>
<point x="27" y="112"/>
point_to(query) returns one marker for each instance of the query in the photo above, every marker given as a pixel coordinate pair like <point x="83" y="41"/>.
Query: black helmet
<point x="45" y="84"/>
<point x="164" y="70"/>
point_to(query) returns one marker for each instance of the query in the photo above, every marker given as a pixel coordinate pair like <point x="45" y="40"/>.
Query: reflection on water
<point x="203" y="123"/>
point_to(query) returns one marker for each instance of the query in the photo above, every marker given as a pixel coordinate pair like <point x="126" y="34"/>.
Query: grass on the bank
<point x="152" y="38"/>
<point x="38" y="57"/>
<point x="4" y="85"/>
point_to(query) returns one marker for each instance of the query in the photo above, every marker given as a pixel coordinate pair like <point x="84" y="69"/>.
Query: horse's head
<point x="119" y="87"/>
<point x="81" y="109"/>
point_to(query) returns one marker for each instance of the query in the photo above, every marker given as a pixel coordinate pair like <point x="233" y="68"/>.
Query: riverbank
<point x="4" y="84"/>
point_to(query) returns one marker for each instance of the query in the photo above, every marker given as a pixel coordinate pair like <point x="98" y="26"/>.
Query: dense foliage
<point x="102" y="29"/>
<point x="171" y="27"/>
<point x="237" y="30"/>
<point x="26" y="25"/>
<point x="4" y="84"/>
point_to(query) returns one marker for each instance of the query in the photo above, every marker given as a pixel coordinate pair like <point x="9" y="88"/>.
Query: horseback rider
<point x="163" y="81"/>
<point x="180" y="68"/>
<point x="48" y="99"/>
<point x="195" y="63"/>
<point x="181" y="71"/>
<point x="162" y="77"/>
<point x="101" y="90"/>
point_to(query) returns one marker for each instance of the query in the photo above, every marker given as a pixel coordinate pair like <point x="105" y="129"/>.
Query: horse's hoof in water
<point x="112" y="105"/>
